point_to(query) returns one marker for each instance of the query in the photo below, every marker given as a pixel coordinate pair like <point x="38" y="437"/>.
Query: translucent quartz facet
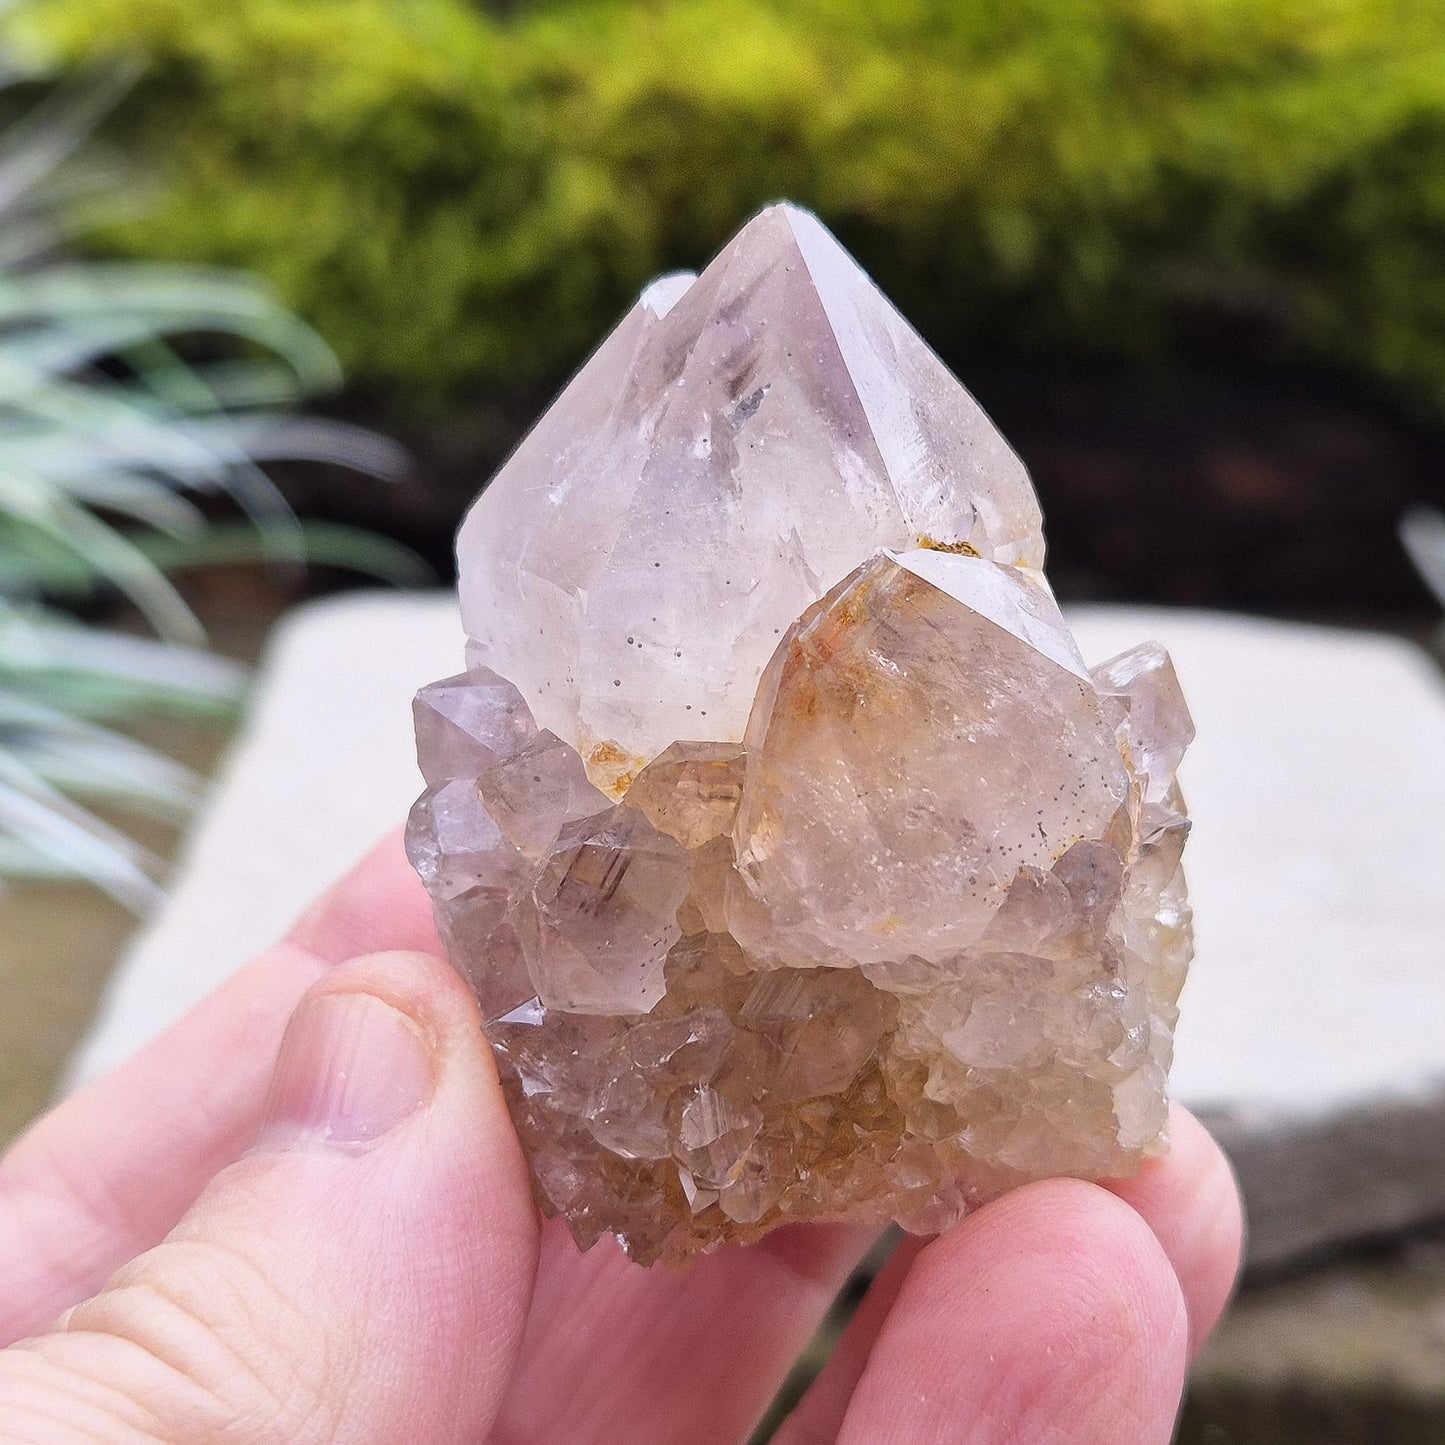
<point x="802" y="868"/>
<point x="881" y="815"/>
<point x="730" y="452"/>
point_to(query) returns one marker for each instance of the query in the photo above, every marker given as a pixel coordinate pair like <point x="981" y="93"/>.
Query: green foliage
<point x="106" y="439"/>
<point x="462" y="196"/>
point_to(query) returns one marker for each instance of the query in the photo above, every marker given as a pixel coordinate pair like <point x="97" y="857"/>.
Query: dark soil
<point x="1209" y="483"/>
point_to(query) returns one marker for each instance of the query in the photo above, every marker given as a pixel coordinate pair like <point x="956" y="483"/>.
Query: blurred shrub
<point x="463" y="196"/>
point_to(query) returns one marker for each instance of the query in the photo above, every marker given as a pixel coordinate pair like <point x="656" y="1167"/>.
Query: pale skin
<point x="359" y="1259"/>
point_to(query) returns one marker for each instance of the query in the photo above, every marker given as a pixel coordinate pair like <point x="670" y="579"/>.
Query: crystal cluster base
<point x="801" y="867"/>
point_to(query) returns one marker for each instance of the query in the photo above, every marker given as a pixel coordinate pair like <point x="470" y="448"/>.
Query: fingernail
<point x="351" y="1068"/>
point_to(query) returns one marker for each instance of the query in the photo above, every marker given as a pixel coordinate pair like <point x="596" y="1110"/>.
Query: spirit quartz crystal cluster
<point x="801" y="867"/>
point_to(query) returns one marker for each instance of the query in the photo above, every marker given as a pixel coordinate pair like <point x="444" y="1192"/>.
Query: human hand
<point x="359" y="1259"/>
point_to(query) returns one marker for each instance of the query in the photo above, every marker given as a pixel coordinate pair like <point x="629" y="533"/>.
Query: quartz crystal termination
<point x="801" y="867"/>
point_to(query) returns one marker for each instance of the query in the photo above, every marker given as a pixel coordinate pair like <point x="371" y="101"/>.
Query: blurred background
<point x="282" y="281"/>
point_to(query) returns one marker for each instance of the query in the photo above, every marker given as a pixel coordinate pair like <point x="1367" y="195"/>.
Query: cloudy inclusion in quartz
<point x="801" y="867"/>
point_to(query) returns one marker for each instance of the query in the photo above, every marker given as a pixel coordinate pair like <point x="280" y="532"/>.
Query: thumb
<point x="361" y="1275"/>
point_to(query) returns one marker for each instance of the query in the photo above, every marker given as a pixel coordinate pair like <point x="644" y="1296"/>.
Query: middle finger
<point x="617" y="1352"/>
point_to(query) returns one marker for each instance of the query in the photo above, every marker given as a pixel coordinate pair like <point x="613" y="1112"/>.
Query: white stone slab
<point x="322" y="768"/>
<point x="1313" y="1036"/>
<point x="1317" y="860"/>
<point x="1314" y="1024"/>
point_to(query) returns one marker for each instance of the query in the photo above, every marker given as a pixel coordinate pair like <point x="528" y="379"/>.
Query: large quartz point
<point x="733" y="449"/>
<point x="802" y="868"/>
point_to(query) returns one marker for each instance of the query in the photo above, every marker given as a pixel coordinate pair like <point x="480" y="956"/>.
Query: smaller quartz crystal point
<point x="802" y="868"/>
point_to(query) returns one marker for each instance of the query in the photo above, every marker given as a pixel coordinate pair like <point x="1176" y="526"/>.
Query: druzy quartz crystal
<point x="801" y="866"/>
